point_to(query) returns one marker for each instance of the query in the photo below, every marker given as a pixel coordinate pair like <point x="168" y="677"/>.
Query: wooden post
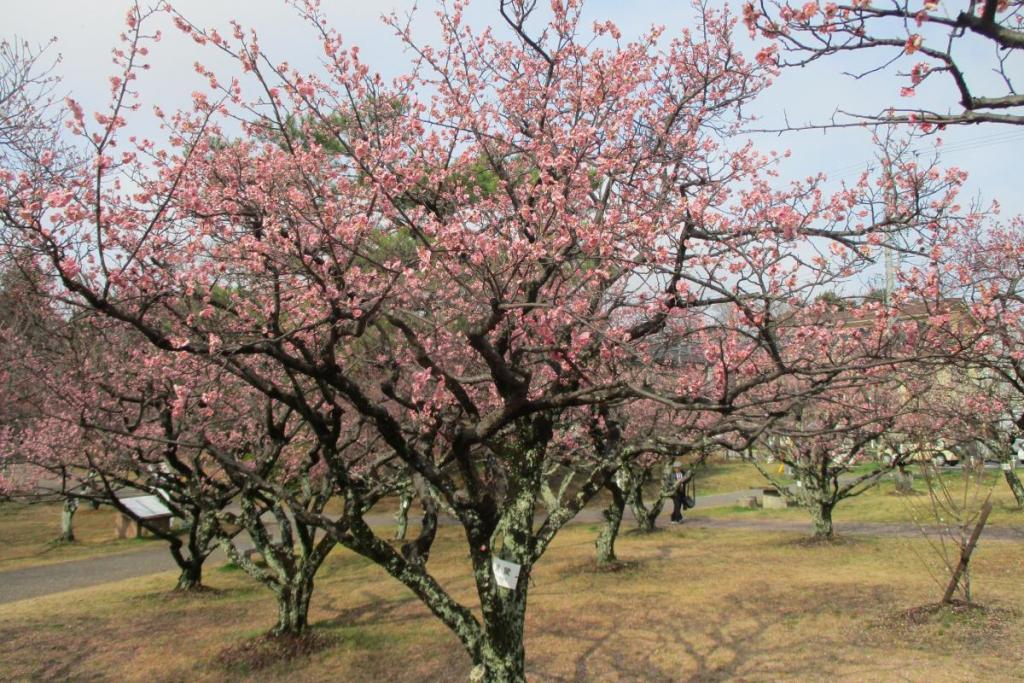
<point x="965" y="553"/>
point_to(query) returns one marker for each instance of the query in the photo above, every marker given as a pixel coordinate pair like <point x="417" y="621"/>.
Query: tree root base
<point x="262" y="651"/>
<point x="965" y="626"/>
<point x="199" y="591"/>
<point x="824" y="542"/>
<point x="644" y="532"/>
<point x="615" y="566"/>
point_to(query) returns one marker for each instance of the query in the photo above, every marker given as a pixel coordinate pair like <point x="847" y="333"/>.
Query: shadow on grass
<point x="54" y="546"/>
<point x="376" y="611"/>
<point x="55" y="659"/>
<point x="198" y="593"/>
<point x="736" y="642"/>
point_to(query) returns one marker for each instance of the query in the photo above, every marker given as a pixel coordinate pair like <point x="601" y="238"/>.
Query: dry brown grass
<point x="688" y="604"/>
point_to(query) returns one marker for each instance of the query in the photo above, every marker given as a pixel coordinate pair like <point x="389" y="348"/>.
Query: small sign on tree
<point x="505" y="573"/>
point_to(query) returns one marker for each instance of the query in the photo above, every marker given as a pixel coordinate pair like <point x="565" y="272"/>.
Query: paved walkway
<point x="31" y="582"/>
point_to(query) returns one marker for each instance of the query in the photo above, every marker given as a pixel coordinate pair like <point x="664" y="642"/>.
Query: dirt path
<point x="31" y="582"/>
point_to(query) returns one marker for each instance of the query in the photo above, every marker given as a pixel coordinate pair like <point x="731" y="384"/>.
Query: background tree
<point x="633" y="440"/>
<point x="957" y="412"/>
<point x="823" y="440"/>
<point x="117" y="422"/>
<point x="968" y="294"/>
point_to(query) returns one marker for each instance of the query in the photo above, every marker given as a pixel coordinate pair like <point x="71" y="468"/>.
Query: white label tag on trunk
<point x="505" y="573"/>
<point x="1007" y="466"/>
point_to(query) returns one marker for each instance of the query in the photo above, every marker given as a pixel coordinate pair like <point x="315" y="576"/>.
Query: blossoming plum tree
<point x="341" y="257"/>
<point x="825" y="438"/>
<point x="110" y="416"/>
<point x="972" y="290"/>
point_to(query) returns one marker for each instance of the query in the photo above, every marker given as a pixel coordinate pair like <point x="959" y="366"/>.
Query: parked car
<point x="945" y="456"/>
<point x="936" y="453"/>
<point x="1018" y="451"/>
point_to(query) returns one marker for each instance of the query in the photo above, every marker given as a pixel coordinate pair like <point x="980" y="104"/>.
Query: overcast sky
<point x="87" y="29"/>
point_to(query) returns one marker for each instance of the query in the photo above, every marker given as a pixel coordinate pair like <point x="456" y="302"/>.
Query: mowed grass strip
<point x="27" y="534"/>
<point x="687" y="604"/>
<point x="881" y="504"/>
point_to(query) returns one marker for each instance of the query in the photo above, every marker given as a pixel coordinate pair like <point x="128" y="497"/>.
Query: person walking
<point x="679" y="480"/>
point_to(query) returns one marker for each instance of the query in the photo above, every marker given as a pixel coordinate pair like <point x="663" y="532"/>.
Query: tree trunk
<point x="67" y="531"/>
<point x="612" y="521"/>
<point x="821" y="515"/>
<point x="646" y="518"/>
<point x="191" y="576"/>
<point x="293" y="607"/>
<point x="418" y="549"/>
<point x="190" y="558"/>
<point x="501" y="657"/>
<point x="904" y="481"/>
<point x="1015" y="485"/>
<point x="402" y="516"/>
<point x="961" y="574"/>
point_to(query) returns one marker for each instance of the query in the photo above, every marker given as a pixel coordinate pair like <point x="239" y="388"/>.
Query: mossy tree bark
<point x="190" y="578"/>
<point x="402" y="515"/>
<point x="821" y="516"/>
<point x="417" y="550"/>
<point x="502" y="655"/>
<point x="612" y="522"/>
<point x="191" y="555"/>
<point x="646" y="516"/>
<point x="291" y="559"/>
<point x="67" y="516"/>
<point x="1013" y="481"/>
<point x="514" y="538"/>
<point x="293" y="605"/>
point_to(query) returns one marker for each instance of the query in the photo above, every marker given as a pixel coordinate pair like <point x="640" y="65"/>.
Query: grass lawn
<point x="725" y="476"/>
<point x="719" y="475"/>
<point x="27" y="533"/>
<point x="690" y="604"/>
<point x="881" y="504"/>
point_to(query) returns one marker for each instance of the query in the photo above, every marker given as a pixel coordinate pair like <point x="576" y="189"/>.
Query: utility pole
<point x="890" y="273"/>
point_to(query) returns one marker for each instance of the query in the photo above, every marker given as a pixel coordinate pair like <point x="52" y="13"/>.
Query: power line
<point x="846" y="171"/>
